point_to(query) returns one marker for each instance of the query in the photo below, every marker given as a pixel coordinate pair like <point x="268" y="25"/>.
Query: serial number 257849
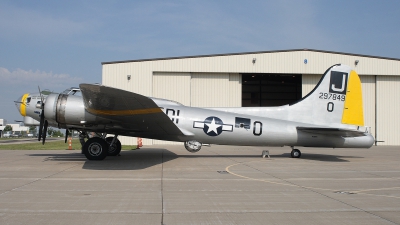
<point x="338" y="97"/>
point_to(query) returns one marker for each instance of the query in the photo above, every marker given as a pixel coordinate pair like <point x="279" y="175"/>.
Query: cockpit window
<point x="72" y="91"/>
<point x="78" y="93"/>
<point x="28" y="99"/>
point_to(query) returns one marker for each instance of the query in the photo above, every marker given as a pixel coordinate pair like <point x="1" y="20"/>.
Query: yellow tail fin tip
<point x="353" y="106"/>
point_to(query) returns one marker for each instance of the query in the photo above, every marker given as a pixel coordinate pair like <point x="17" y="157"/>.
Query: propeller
<point x="45" y="131"/>
<point x="66" y="135"/>
<point x="41" y="125"/>
<point x="42" y="121"/>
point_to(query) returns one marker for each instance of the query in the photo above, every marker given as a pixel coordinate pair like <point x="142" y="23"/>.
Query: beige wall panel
<point x="309" y="81"/>
<point x="216" y="90"/>
<point x="235" y="90"/>
<point x="140" y="82"/>
<point x="368" y="90"/>
<point x="388" y="119"/>
<point x="171" y="86"/>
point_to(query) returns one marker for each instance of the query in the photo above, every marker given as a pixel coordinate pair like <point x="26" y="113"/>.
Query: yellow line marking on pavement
<point x="267" y="181"/>
<point x="307" y="187"/>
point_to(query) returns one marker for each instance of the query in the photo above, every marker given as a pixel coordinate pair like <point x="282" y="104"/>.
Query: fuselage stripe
<point x="124" y="112"/>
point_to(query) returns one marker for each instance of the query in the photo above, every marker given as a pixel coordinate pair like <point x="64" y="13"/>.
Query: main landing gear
<point x="295" y="153"/>
<point x="98" y="148"/>
<point x="95" y="148"/>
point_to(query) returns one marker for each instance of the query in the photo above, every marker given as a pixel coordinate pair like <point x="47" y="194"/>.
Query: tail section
<point x="335" y="101"/>
<point x="353" y="113"/>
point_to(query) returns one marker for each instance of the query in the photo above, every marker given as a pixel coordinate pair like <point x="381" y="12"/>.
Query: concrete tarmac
<point x="218" y="185"/>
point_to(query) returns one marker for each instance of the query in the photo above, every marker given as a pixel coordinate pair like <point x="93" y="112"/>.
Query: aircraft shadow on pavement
<point x="306" y="156"/>
<point x="145" y="158"/>
<point x="319" y="157"/>
<point x="129" y="160"/>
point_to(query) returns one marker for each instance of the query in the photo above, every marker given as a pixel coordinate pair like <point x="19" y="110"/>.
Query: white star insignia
<point x="212" y="126"/>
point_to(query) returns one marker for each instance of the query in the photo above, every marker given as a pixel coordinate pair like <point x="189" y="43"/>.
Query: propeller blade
<point x="45" y="131"/>
<point x="66" y="135"/>
<point x="42" y="121"/>
<point x="41" y="96"/>
<point x="41" y="125"/>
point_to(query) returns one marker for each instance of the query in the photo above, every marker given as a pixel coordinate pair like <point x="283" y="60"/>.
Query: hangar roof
<point x="244" y="53"/>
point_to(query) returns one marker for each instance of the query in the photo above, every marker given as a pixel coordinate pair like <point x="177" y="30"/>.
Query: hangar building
<point x="267" y="78"/>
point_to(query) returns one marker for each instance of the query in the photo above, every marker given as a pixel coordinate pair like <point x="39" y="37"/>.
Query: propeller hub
<point x="20" y="103"/>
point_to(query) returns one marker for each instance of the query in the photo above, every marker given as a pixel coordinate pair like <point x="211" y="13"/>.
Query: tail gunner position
<point x="330" y="116"/>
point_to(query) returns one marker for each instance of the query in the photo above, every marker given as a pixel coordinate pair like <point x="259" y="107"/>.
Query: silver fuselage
<point x="260" y="130"/>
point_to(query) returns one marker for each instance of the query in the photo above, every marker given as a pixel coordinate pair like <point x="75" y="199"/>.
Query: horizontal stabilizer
<point x="332" y="131"/>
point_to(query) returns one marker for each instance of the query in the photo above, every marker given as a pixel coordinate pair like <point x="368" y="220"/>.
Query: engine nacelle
<point x="67" y="109"/>
<point x="193" y="146"/>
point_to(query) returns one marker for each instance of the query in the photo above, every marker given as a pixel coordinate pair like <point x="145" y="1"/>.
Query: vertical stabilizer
<point x="335" y="101"/>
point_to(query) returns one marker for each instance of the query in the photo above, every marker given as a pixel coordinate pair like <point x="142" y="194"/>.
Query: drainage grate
<point x="344" y="192"/>
<point x="223" y="172"/>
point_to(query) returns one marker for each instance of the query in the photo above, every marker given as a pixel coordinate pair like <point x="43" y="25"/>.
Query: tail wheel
<point x="295" y="153"/>
<point x="115" y="149"/>
<point x="95" y="149"/>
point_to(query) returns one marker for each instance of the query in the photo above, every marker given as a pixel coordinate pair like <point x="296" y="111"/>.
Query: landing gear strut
<point x="114" y="146"/>
<point x="295" y="153"/>
<point x="82" y="137"/>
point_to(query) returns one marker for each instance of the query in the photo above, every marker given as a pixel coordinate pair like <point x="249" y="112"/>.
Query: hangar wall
<point x="388" y="119"/>
<point x="154" y="77"/>
<point x="172" y="86"/>
<point x="216" y="90"/>
<point x="368" y="91"/>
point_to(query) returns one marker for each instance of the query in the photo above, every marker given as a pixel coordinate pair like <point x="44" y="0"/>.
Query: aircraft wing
<point x="332" y="131"/>
<point x="128" y="111"/>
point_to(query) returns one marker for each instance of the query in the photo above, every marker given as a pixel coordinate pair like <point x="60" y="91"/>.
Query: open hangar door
<point x="270" y="89"/>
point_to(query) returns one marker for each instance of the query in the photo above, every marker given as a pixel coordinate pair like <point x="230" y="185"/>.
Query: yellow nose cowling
<point x="22" y="107"/>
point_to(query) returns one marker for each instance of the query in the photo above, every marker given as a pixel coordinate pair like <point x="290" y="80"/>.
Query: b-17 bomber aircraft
<point x="331" y="116"/>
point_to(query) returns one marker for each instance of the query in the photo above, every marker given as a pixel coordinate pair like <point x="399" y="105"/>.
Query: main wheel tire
<point x="95" y="148"/>
<point x="295" y="153"/>
<point x="115" y="149"/>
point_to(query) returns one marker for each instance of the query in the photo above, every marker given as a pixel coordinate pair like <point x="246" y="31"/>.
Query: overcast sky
<point x="58" y="44"/>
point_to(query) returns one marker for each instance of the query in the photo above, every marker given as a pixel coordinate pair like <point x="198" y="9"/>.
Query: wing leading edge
<point x="128" y="111"/>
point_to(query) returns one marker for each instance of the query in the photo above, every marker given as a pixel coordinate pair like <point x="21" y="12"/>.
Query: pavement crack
<point x="39" y="179"/>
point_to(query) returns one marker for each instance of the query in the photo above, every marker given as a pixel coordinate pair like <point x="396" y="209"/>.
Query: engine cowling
<point x="66" y="109"/>
<point x="193" y="146"/>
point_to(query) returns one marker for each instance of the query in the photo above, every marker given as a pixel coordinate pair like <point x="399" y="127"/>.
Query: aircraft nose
<point x="20" y="103"/>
